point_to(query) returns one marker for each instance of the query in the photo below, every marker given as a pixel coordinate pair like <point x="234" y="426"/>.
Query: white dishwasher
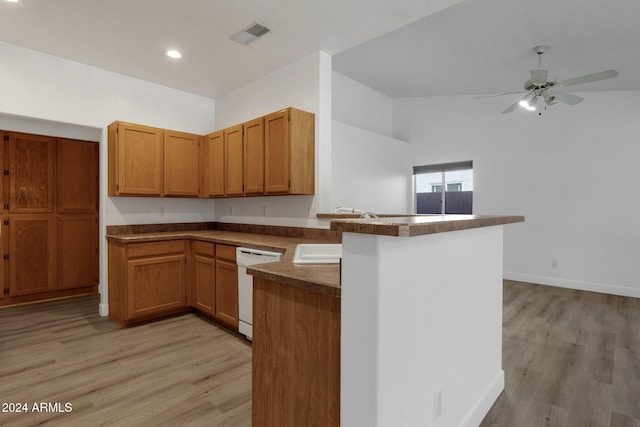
<point x="245" y="257"/>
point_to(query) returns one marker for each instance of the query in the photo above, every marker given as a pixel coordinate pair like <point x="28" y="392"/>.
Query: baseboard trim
<point x="104" y="310"/>
<point x="485" y="402"/>
<point x="602" y="288"/>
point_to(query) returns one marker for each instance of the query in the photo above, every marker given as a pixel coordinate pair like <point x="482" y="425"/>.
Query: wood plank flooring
<point x="571" y="358"/>
<point x="179" y="371"/>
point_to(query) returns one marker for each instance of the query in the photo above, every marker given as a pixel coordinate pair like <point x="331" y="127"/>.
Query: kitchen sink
<point x="317" y="253"/>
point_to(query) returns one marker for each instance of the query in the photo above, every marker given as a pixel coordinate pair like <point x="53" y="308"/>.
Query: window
<point x="457" y="178"/>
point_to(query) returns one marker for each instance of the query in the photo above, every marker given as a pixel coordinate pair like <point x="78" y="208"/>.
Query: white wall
<point x="49" y="95"/>
<point x="301" y="85"/>
<point x="371" y="171"/>
<point x="361" y="106"/>
<point x="414" y="325"/>
<point x="579" y="230"/>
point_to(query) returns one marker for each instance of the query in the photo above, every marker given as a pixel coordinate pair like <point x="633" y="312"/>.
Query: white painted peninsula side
<point x="421" y="337"/>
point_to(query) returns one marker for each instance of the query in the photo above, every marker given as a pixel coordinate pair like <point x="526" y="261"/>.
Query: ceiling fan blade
<point x="500" y="94"/>
<point x="539" y="77"/>
<point x="567" y="98"/>
<point x="511" y="107"/>
<point x="609" y="74"/>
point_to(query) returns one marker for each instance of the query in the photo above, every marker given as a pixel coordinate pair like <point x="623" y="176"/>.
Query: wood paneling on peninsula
<point x="296" y="357"/>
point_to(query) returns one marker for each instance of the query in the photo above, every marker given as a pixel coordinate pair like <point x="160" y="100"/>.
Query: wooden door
<point x="77" y="254"/>
<point x="227" y="293"/>
<point x="31" y="173"/>
<point x="233" y="161"/>
<point x="31" y="254"/>
<point x="77" y="176"/>
<point x="253" y="164"/>
<point x="155" y="284"/>
<point x="135" y="160"/>
<point x="212" y="161"/>
<point x="3" y="249"/>
<point x="276" y="152"/>
<point x="181" y="160"/>
<point x="204" y="277"/>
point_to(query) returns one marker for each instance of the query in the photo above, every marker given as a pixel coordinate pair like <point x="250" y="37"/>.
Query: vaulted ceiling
<point x="401" y="48"/>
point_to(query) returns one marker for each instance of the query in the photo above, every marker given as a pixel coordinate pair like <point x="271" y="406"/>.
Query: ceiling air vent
<point x="248" y="35"/>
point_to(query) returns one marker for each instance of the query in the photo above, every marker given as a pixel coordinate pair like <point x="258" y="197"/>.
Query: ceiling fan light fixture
<point x="526" y="101"/>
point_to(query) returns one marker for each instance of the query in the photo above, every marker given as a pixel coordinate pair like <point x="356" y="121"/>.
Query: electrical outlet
<point x="437" y="405"/>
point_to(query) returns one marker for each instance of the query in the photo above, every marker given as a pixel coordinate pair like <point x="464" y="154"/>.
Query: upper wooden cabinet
<point x="77" y="183"/>
<point x="253" y="156"/>
<point x="270" y="155"/>
<point x="233" y="161"/>
<point x="135" y="160"/>
<point x="31" y="178"/>
<point x="289" y="152"/>
<point x="181" y="159"/>
<point x="212" y="165"/>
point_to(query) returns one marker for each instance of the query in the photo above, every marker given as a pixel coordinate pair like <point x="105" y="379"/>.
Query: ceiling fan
<point x="541" y="93"/>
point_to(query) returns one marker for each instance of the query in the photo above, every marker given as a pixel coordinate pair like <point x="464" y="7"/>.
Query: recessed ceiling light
<point x="12" y="1"/>
<point x="172" y="53"/>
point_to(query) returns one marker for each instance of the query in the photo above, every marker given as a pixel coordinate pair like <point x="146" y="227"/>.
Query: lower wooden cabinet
<point x="153" y="279"/>
<point x="204" y="277"/>
<point x="147" y="280"/>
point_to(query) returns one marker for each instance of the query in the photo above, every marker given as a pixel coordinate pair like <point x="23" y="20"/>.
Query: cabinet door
<point x="204" y="277"/>
<point x="276" y="154"/>
<point x="227" y="293"/>
<point x="181" y="164"/>
<point x="135" y="160"/>
<point x="253" y="156"/>
<point x="233" y="160"/>
<point x="77" y="176"/>
<point x="31" y="248"/>
<point x="77" y="242"/>
<point x="31" y="163"/>
<point x="212" y="161"/>
<point x="155" y="284"/>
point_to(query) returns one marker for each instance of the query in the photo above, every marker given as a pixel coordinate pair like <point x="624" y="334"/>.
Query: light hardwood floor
<point x="179" y="371"/>
<point x="571" y="358"/>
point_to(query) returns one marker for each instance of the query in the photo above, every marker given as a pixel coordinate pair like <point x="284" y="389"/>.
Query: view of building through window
<point x="456" y="178"/>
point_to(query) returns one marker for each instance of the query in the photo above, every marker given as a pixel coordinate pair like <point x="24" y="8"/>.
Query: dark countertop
<point x="323" y="278"/>
<point x="410" y="226"/>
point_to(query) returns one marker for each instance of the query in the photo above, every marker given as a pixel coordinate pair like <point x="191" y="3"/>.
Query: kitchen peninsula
<point x="418" y="328"/>
<point x="407" y="331"/>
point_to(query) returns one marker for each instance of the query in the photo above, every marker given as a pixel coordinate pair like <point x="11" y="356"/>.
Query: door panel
<point x="31" y="164"/>
<point x="31" y="249"/>
<point x="77" y="176"/>
<point x="77" y="243"/>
